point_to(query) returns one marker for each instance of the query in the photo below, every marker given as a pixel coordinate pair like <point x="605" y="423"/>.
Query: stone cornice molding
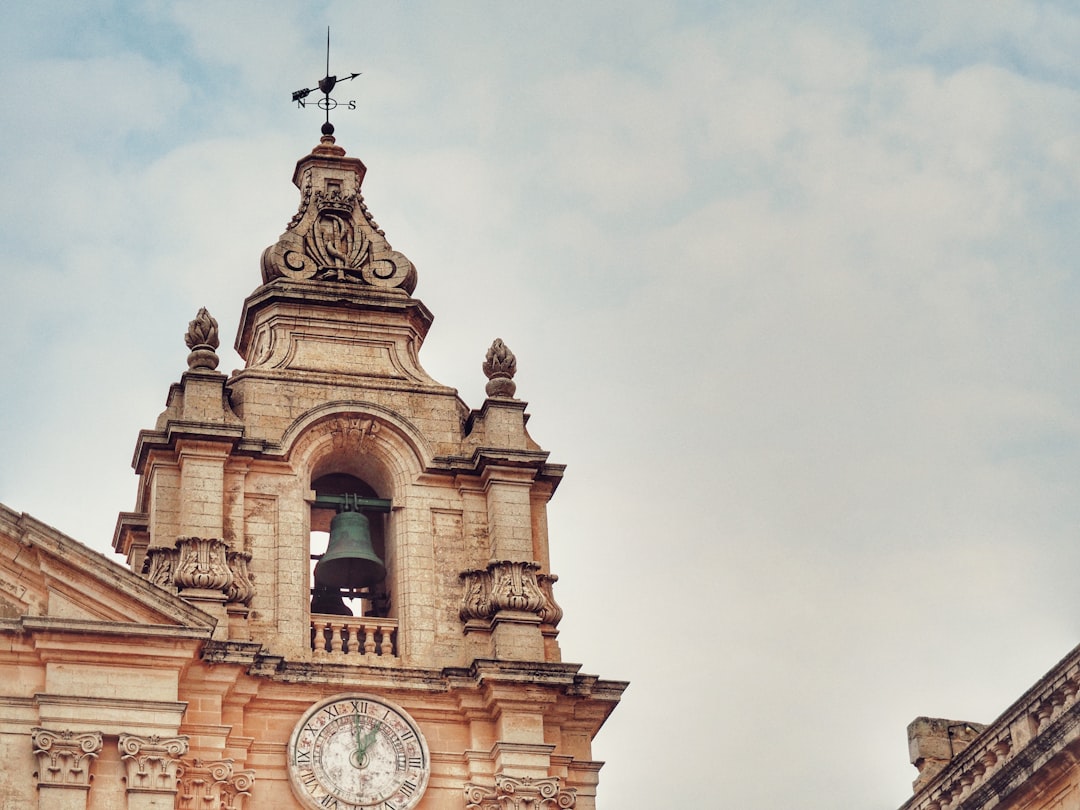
<point x="83" y="627"/>
<point x="1035" y="729"/>
<point x="152" y="762"/>
<point x="64" y="757"/>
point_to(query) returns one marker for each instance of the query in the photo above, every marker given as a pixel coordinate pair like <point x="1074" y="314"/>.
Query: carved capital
<point x="520" y="793"/>
<point x="242" y="587"/>
<point x="212" y="784"/>
<point x="508" y="585"/>
<point x="514" y="586"/>
<point x="160" y="565"/>
<point x="202" y="564"/>
<point x="64" y="757"/>
<point x="152" y="763"/>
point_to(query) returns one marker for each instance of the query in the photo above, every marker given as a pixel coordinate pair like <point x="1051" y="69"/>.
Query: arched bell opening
<point x="348" y="574"/>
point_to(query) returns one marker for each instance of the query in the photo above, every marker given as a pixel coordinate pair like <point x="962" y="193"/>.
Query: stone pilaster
<point x="63" y="767"/>
<point x="153" y="765"/>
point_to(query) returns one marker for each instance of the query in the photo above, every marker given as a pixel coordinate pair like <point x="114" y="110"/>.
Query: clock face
<point x="353" y="752"/>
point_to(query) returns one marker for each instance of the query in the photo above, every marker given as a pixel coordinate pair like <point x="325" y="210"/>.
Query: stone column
<point x="153" y="765"/>
<point x="63" y="767"/>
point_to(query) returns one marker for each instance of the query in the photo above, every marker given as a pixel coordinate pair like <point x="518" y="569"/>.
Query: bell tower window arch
<point x="348" y="575"/>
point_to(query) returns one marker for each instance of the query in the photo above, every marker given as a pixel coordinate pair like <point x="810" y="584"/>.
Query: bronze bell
<point x="329" y="602"/>
<point x="350" y="560"/>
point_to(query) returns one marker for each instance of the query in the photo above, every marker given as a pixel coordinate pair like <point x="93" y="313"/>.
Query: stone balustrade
<point x="995" y="758"/>
<point x="353" y="638"/>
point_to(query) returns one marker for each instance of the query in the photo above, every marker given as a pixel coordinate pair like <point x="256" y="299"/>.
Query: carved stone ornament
<point x="202" y="564"/>
<point x="153" y="763"/>
<point x="202" y="339"/>
<point x="333" y="237"/>
<point x="500" y="365"/>
<point x="212" y="785"/>
<point x="160" y="565"/>
<point x="508" y="585"/>
<point x="350" y="433"/>
<point x="520" y="793"/>
<point x="64" y="757"/>
<point x="242" y="587"/>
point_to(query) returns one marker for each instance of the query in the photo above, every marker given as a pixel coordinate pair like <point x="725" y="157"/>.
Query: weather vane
<point x="325" y="85"/>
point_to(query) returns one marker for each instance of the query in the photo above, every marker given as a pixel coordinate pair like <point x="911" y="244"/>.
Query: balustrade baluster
<point x="387" y="640"/>
<point x="354" y="639"/>
<point x="369" y="638"/>
<point x="335" y="638"/>
<point x="320" y="638"/>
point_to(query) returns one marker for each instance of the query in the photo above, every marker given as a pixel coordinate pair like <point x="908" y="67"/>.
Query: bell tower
<point x="374" y="552"/>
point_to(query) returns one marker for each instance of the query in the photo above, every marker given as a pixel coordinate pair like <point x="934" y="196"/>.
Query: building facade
<point x="1027" y="759"/>
<point x="409" y="660"/>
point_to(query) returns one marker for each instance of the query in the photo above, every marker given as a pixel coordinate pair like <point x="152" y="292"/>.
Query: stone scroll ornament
<point x="500" y="365"/>
<point x="202" y="339"/>
<point x="152" y="763"/>
<point x="520" y="793"/>
<point x="64" y="757"/>
<point x="334" y="238"/>
<point x="212" y="785"/>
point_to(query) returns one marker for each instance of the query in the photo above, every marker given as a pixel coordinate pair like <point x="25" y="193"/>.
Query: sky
<point x="793" y="290"/>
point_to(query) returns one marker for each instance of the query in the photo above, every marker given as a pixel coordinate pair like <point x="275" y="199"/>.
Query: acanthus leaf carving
<point x="64" y="757"/>
<point x="242" y="587"/>
<point x="159" y="566"/>
<point x="508" y="585"/>
<point x="202" y="564"/>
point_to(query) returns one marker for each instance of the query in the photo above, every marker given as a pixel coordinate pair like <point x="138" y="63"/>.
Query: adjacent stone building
<point x="418" y="666"/>
<point x="1027" y="759"/>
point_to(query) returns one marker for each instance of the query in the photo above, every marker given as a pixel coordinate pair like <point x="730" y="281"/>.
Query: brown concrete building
<point x="423" y="671"/>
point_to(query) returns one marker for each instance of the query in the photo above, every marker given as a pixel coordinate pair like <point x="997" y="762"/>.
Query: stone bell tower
<point x="452" y="629"/>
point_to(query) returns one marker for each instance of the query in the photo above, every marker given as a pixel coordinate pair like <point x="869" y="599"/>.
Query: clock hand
<point x="366" y="742"/>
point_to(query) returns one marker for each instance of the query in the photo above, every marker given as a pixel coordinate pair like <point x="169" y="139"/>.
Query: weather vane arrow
<point x="325" y="86"/>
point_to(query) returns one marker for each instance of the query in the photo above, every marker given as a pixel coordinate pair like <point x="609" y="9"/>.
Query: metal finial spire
<point x="325" y="86"/>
